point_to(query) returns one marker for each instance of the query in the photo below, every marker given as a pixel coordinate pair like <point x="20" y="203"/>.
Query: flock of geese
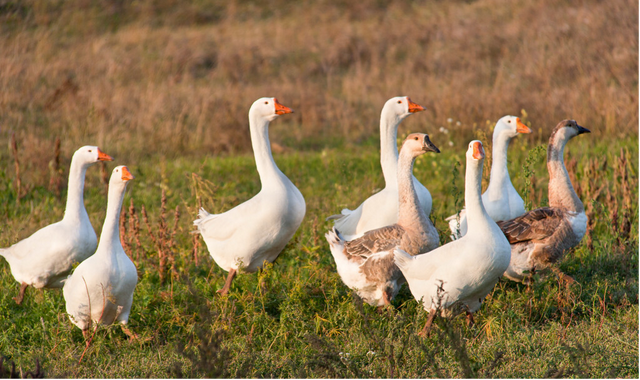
<point x="384" y="242"/>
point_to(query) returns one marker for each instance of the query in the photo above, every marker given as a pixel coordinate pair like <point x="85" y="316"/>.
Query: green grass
<point x="296" y="318"/>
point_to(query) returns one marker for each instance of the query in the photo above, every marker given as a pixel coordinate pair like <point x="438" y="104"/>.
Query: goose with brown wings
<point x="542" y="236"/>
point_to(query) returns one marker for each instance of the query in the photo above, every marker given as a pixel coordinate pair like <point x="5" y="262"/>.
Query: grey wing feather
<point x="534" y="225"/>
<point x="378" y="240"/>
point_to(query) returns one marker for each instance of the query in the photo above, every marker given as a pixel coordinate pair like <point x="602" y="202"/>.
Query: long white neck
<point x="267" y="168"/>
<point x="75" y="210"/>
<point x="409" y="210"/>
<point x="389" y="146"/>
<point x="477" y="217"/>
<point x="499" y="179"/>
<point x="561" y="192"/>
<point x="110" y="235"/>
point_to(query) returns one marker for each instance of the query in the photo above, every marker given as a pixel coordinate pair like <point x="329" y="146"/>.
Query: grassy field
<point x="165" y="87"/>
<point x="296" y="318"/>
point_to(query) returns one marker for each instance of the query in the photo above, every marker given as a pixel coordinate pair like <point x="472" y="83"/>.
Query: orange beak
<point x="521" y="128"/>
<point x="478" y="150"/>
<point x="126" y="174"/>
<point x="280" y="109"/>
<point x="102" y="156"/>
<point x="413" y="107"/>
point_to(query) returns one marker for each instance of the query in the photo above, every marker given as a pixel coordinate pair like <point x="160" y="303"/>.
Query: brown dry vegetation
<point x="162" y="76"/>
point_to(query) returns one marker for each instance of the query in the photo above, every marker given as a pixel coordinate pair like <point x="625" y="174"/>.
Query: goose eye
<point x="509" y="121"/>
<point x="399" y="101"/>
<point x="89" y="150"/>
<point x="266" y="102"/>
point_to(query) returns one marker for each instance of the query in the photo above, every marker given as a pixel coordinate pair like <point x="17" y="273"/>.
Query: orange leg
<point x="386" y="301"/>
<point x="20" y="295"/>
<point x="470" y="320"/>
<point x="427" y="326"/>
<point x="227" y="284"/>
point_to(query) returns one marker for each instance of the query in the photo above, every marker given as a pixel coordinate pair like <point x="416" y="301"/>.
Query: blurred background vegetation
<point x="177" y="78"/>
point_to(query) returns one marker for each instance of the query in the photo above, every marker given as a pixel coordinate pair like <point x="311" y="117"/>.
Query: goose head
<point x="568" y="129"/>
<point x="380" y="295"/>
<point x="268" y="108"/>
<point x="475" y="152"/>
<point x="418" y="143"/>
<point x="120" y="176"/>
<point x="510" y="126"/>
<point x="90" y="154"/>
<point x="400" y="107"/>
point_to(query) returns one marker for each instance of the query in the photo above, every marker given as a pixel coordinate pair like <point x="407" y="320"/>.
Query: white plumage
<point x="466" y="269"/>
<point x="365" y="264"/>
<point x="381" y="209"/>
<point x="255" y="232"/>
<point x="501" y="200"/>
<point x="100" y="290"/>
<point x="45" y="259"/>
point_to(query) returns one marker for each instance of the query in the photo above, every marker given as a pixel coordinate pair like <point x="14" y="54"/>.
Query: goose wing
<point x="378" y="240"/>
<point x="534" y="225"/>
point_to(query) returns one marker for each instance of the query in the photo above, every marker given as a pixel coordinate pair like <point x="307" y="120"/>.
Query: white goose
<point x="100" y="290"/>
<point x="381" y="209"/>
<point x="366" y="264"/>
<point x="255" y="232"/>
<point x="501" y="200"/>
<point x="542" y="236"/>
<point x="45" y="259"/>
<point x="458" y="276"/>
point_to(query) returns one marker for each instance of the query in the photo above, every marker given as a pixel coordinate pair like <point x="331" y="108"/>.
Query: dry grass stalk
<point x="105" y="176"/>
<point x="162" y="233"/>
<point x="487" y="144"/>
<point x="55" y="180"/>
<point x="591" y="187"/>
<point x="126" y="244"/>
<point x="533" y="190"/>
<point x="171" y="242"/>
<point x="314" y="231"/>
<point x="529" y="191"/>
<point x="566" y="300"/>
<point x="196" y="248"/>
<point x="14" y="150"/>
<point x="134" y="230"/>
<point x="621" y="171"/>
<point x="201" y="188"/>
<point x="160" y="267"/>
<point x="163" y="239"/>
